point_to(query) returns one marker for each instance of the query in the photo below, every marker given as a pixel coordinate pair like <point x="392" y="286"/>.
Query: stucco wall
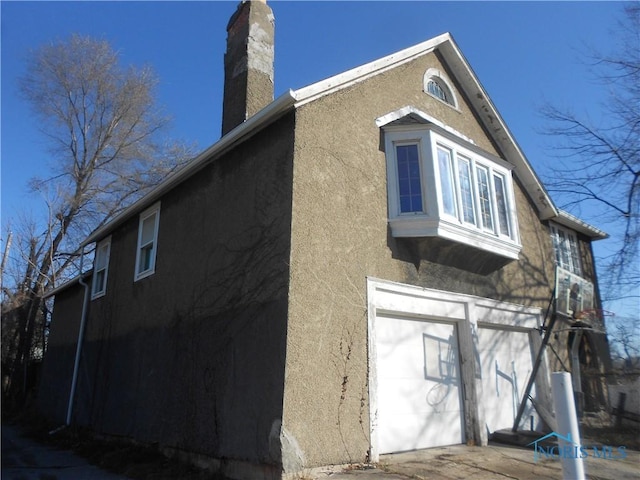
<point x="192" y="357"/>
<point x="340" y="236"/>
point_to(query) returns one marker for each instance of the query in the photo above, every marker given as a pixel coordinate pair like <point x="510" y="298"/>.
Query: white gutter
<point x="497" y="128"/>
<point x="574" y="223"/>
<point x="83" y="322"/>
<point x="251" y="126"/>
<point x="358" y="74"/>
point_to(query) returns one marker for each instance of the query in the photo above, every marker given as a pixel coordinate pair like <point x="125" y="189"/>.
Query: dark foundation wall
<point x="192" y="357"/>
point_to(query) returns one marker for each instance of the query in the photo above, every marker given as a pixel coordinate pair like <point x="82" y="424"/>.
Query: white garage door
<point x="506" y="360"/>
<point x="419" y="403"/>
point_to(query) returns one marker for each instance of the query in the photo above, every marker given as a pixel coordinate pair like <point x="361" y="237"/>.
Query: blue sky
<point x="524" y="53"/>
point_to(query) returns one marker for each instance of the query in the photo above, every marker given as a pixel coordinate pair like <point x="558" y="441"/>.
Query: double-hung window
<point x="100" y="268"/>
<point x="440" y="184"/>
<point x="565" y="245"/>
<point x="147" y="242"/>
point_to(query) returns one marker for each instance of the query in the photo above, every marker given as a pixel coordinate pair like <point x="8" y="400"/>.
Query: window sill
<point x="423" y="226"/>
<point x="98" y="295"/>
<point x="145" y="274"/>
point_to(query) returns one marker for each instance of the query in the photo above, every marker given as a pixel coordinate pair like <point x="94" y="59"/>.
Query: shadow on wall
<point x="444" y="265"/>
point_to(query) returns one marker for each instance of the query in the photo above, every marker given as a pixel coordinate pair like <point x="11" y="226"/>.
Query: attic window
<point x="437" y="86"/>
<point x="437" y="91"/>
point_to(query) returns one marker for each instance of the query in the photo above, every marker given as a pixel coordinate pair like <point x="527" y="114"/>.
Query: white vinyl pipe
<point x="569" y="448"/>
<point x="76" y="363"/>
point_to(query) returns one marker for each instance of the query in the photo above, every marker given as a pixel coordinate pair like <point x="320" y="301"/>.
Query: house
<point x="357" y="267"/>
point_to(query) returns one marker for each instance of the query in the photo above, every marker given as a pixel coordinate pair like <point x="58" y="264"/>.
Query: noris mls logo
<point x="571" y="449"/>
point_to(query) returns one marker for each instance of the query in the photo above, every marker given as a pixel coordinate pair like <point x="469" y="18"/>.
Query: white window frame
<point x="567" y="249"/>
<point x="101" y="268"/>
<point x="142" y="248"/>
<point x="440" y="79"/>
<point x="434" y="220"/>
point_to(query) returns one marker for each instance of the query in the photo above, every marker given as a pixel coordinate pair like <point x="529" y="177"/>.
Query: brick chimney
<point x="248" y="63"/>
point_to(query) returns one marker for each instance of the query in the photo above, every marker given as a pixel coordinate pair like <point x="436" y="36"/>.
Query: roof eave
<point x="574" y="223"/>
<point x="68" y="284"/>
<point x="355" y="75"/>
<point x="251" y="126"/>
<point x="497" y="128"/>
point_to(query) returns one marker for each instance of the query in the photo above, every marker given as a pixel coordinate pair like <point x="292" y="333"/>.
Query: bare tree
<point x="623" y="335"/>
<point x="599" y="161"/>
<point x="104" y="131"/>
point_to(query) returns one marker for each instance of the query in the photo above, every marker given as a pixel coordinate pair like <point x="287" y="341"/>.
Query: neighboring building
<point x="361" y="266"/>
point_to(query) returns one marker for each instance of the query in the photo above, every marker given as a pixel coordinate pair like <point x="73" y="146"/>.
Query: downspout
<point x="83" y="322"/>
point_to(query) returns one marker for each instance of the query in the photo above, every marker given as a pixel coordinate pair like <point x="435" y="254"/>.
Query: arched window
<point x="437" y="91"/>
<point x="436" y="85"/>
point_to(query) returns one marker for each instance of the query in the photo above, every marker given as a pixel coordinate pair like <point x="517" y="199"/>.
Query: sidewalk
<point x="25" y="459"/>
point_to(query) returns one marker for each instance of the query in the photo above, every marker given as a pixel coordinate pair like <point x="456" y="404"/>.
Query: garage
<point x="445" y="368"/>
<point x="419" y="388"/>
<point x="506" y="361"/>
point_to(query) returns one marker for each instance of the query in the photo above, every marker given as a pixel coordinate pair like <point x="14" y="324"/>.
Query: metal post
<point x="534" y="372"/>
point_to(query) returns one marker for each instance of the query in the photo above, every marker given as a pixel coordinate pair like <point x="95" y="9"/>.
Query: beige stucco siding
<point x="340" y="236"/>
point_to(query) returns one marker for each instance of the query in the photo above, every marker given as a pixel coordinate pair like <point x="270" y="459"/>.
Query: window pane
<point x="409" y="184"/>
<point x="145" y="258"/>
<point x="446" y="182"/>
<point x="101" y="257"/>
<point x="556" y="244"/>
<point x="466" y="191"/>
<point x="574" y="255"/>
<point x="563" y="251"/>
<point x="501" y="201"/>
<point x="99" y="282"/>
<point x="148" y="229"/>
<point x="437" y="91"/>
<point x="485" y="198"/>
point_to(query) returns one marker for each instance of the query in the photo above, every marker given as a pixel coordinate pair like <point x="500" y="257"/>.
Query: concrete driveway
<point x="24" y="459"/>
<point x="494" y="462"/>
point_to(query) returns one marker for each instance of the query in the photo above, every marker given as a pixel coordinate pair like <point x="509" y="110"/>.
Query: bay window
<point x="440" y="184"/>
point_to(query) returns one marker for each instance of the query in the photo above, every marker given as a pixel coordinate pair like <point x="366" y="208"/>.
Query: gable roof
<point x="292" y="99"/>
